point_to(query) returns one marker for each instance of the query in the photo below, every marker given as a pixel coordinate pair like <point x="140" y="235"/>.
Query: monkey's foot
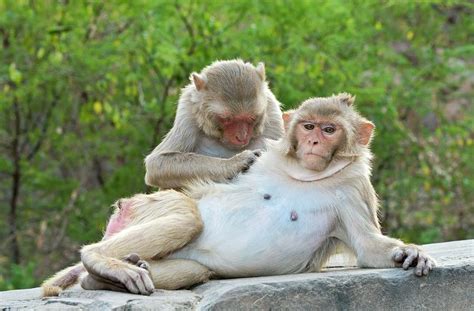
<point x="132" y="277"/>
<point x="412" y="256"/>
<point x="135" y="260"/>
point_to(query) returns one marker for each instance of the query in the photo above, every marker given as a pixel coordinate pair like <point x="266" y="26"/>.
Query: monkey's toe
<point x="143" y="264"/>
<point x="132" y="258"/>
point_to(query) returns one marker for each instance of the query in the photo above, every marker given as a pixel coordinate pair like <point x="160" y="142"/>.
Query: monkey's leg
<point x="178" y="273"/>
<point x="178" y="222"/>
<point x="167" y="274"/>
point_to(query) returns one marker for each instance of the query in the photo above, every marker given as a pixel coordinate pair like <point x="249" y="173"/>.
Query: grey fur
<point x="193" y="148"/>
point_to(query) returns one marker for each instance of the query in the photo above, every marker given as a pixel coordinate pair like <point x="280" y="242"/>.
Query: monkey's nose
<point x="314" y="142"/>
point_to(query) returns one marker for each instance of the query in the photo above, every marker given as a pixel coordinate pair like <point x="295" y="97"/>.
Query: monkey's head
<point x="324" y="129"/>
<point x="232" y="101"/>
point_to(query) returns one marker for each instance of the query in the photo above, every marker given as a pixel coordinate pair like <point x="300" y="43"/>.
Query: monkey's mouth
<point x="314" y="154"/>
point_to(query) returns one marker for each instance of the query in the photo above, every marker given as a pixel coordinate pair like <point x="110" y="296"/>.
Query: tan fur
<point x="178" y="273"/>
<point x="343" y="204"/>
<point x="62" y="280"/>
<point x="193" y="148"/>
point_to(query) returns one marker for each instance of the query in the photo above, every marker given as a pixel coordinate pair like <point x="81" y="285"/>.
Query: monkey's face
<point x="317" y="140"/>
<point x="237" y="130"/>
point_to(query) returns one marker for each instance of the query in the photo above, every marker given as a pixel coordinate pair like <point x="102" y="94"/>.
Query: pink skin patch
<point x="119" y="220"/>
<point x="238" y="130"/>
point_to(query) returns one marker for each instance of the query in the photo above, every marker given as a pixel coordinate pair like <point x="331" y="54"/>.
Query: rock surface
<point x="449" y="287"/>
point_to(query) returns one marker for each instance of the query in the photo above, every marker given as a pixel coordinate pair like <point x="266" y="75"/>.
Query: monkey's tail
<point x="62" y="280"/>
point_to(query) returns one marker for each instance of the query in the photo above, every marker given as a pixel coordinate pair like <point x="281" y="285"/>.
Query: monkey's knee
<point x="194" y="225"/>
<point x="185" y="209"/>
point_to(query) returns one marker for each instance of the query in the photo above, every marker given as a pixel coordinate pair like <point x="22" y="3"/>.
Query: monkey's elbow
<point x="153" y="178"/>
<point x="149" y="180"/>
<point x="155" y="174"/>
<point x="150" y="174"/>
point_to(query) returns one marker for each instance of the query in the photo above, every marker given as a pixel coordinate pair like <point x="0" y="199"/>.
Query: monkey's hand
<point x="412" y="256"/>
<point x="131" y="275"/>
<point x="241" y="162"/>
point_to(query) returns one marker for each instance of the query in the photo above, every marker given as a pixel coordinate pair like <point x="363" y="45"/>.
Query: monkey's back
<point x="263" y="224"/>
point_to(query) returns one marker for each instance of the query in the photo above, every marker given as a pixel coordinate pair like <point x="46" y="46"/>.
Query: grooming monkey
<point x="306" y="194"/>
<point x="223" y="116"/>
<point x="223" y="119"/>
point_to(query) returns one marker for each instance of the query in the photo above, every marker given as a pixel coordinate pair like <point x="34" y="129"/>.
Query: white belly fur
<point x="246" y="235"/>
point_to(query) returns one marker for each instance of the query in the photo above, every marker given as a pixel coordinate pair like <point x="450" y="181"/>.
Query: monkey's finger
<point x="399" y="256"/>
<point x="420" y="265"/>
<point x="143" y="264"/>
<point x="426" y="268"/>
<point x="412" y="255"/>
<point x="148" y="284"/>
<point x="131" y="286"/>
<point x="130" y="281"/>
<point x="429" y="266"/>
<point x="141" y="282"/>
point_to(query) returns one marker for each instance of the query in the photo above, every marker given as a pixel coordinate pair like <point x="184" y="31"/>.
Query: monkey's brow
<point x="319" y="123"/>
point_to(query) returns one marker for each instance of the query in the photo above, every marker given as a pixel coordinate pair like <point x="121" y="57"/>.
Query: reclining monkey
<point x="309" y="192"/>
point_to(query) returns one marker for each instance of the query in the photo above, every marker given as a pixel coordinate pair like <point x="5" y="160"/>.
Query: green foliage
<point x="88" y="88"/>
<point x="19" y="276"/>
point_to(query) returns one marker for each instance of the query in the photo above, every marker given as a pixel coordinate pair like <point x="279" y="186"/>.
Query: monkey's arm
<point x="173" y="164"/>
<point x="175" y="169"/>
<point x="375" y="250"/>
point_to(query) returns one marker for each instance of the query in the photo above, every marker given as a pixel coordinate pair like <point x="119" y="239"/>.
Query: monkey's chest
<point x="264" y="231"/>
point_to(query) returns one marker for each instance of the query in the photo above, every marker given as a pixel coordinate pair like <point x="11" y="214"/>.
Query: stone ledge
<point x="449" y="287"/>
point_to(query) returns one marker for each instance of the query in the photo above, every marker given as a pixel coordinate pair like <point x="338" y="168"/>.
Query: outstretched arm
<point x="360" y="232"/>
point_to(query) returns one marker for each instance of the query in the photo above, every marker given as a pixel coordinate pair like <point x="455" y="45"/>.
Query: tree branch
<point x="43" y="129"/>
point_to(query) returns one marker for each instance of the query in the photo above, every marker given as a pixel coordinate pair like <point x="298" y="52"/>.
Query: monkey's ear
<point x="365" y="133"/>
<point x="287" y="115"/>
<point x="346" y="98"/>
<point x="261" y="70"/>
<point x="199" y="81"/>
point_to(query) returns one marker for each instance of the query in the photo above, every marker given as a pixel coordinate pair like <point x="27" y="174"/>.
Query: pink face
<point x="237" y="130"/>
<point x="317" y="141"/>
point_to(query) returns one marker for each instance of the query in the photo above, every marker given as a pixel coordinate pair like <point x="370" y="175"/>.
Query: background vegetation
<point x="88" y="88"/>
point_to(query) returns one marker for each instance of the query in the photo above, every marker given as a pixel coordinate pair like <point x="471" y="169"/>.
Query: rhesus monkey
<point x="308" y="193"/>
<point x="224" y="114"/>
<point x="223" y="119"/>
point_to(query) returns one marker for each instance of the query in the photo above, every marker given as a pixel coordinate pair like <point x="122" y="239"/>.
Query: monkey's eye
<point x="328" y="129"/>
<point x="309" y="126"/>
